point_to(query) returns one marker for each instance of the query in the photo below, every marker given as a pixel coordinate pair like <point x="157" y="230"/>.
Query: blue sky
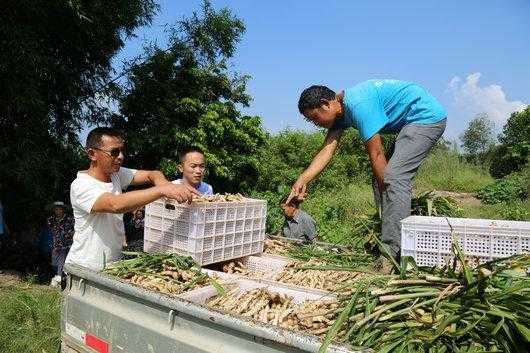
<point x="474" y="56"/>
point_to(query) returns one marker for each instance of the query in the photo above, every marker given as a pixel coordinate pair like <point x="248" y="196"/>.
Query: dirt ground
<point x="10" y="279"/>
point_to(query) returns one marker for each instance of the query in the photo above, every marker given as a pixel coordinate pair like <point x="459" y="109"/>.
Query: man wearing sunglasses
<point x="98" y="202"/>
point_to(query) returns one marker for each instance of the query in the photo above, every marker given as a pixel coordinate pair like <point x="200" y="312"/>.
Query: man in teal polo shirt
<point x="374" y="107"/>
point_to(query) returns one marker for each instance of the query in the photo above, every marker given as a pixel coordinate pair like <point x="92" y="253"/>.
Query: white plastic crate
<point x="265" y="263"/>
<point x="428" y="239"/>
<point x="268" y="266"/>
<point x="208" y="232"/>
<point x="299" y="295"/>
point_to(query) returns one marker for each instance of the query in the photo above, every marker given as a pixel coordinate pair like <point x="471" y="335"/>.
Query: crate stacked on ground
<point x="429" y="239"/>
<point x="209" y="232"/>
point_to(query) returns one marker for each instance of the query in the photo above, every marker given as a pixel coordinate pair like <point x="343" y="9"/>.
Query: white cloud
<point x="470" y="99"/>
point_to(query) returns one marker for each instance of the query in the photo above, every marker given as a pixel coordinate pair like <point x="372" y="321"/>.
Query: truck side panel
<point x="127" y="323"/>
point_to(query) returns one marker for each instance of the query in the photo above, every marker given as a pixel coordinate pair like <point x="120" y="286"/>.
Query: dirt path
<point x="13" y="279"/>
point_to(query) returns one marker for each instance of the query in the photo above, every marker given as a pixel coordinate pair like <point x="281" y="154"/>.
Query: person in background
<point x="137" y="224"/>
<point x="192" y="165"/>
<point x="134" y="230"/>
<point x="61" y="226"/>
<point x="298" y="224"/>
<point x="99" y="203"/>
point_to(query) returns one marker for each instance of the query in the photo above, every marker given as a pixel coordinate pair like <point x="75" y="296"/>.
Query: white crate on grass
<point x="428" y="239"/>
<point x="208" y="232"/>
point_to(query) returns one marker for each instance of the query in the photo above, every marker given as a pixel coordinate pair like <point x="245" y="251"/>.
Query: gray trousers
<point x="412" y="145"/>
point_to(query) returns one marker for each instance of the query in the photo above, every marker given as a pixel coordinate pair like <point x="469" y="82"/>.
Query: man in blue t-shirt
<point x="374" y="107"/>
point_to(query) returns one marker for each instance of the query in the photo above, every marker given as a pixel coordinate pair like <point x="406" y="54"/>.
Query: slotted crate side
<point x="264" y="263"/>
<point x="209" y="233"/>
<point x="156" y="247"/>
<point x="428" y="239"/>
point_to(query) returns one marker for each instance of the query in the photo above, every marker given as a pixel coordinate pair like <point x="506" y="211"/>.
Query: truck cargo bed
<point x="102" y="314"/>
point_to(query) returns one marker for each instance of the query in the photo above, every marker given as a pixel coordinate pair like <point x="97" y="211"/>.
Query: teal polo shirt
<point x="381" y="106"/>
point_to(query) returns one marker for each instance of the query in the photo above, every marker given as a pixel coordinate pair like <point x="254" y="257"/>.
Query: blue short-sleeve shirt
<point x="375" y="106"/>
<point x="203" y="188"/>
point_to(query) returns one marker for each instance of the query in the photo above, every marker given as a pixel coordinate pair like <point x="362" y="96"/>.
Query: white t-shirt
<point x="98" y="237"/>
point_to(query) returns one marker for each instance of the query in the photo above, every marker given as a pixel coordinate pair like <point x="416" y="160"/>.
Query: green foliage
<point x="289" y="152"/>
<point x="186" y="96"/>
<point x="55" y="58"/>
<point x="339" y="195"/>
<point x="341" y="213"/>
<point x="516" y="211"/>
<point x="510" y="188"/>
<point x="514" y="151"/>
<point x="444" y="169"/>
<point x="430" y="204"/>
<point x="478" y="138"/>
<point x="29" y="320"/>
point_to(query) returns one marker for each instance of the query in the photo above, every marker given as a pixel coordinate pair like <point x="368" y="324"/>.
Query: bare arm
<point x="317" y="165"/>
<point x="153" y="177"/>
<point x="129" y="201"/>
<point x="376" y="153"/>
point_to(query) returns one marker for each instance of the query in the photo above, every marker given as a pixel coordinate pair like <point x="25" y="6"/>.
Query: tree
<point x="514" y="151"/>
<point x="478" y="138"/>
<point x="55" y="60"/>
<point x="185" y="96"/>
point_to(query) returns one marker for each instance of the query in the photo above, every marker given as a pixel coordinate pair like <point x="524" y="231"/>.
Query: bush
<point x="510" y="188"/>
<point x="514" y="152"/>
<point x="515" y="211"/>
<point x="337" y="212"/>
<point x="446" y="170"/>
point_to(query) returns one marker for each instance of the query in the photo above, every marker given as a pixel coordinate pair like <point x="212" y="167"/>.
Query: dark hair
<point x="294" y="202"/>
<point x="183" y="152"/>
<point x="93" y="139"/>
<point x="311" y="97"/>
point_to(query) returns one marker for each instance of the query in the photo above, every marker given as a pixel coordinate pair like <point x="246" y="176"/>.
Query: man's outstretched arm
<point x="317" y="165"/>
<point x="153" y="177"/>
<point x="129" y="201"/>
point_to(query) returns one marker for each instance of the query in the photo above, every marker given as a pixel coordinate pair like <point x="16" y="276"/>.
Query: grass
<point x="516" y="210"/>
<point x="29" y="318"/>
<point x="445" y="170"/>
<point x="337" y="211"/>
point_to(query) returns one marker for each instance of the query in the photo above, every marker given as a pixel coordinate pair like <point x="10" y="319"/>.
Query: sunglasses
<point x="115" y="152"/>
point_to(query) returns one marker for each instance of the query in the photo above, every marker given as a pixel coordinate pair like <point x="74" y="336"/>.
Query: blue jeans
<point x="58" y="258"/>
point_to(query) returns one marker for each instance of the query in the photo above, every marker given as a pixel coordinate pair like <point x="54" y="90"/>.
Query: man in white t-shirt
<point x="192" y="165"/>
<point x="98" y="202"/>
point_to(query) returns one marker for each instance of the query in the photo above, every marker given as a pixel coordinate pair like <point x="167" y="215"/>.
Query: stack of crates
<point x="208" y="232"/>
<point x="429" y="239"/>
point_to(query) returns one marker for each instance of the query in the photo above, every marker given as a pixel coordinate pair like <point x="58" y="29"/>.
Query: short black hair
<point x="294" y="201"/>
<point x="93" y="139"/>
<point x="311" y="97"/>
<point x="183" y="152"/>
